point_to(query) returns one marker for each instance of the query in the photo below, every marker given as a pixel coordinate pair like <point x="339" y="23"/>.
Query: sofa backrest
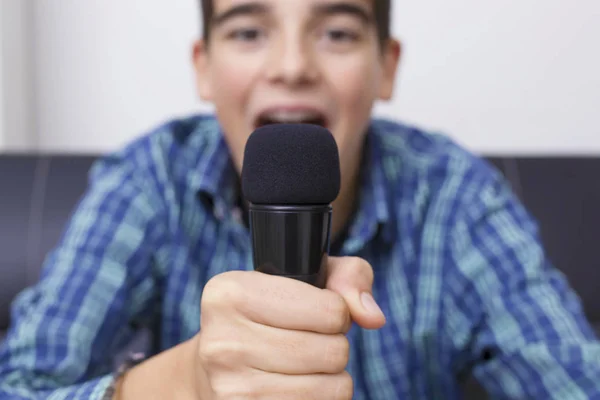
<point x="39" y="193"/>
<point x="37" y="196"/>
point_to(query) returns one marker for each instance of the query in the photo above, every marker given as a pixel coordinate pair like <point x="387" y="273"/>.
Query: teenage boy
<point x="438" y="273"/>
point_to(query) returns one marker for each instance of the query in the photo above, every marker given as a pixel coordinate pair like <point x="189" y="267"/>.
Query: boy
<point x="438" y="274"/>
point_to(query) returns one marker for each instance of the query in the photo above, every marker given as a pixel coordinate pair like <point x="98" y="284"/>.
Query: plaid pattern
<point x="459" y="272"/>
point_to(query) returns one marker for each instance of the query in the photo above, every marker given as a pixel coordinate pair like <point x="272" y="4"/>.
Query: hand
<point x="272" y="337"/>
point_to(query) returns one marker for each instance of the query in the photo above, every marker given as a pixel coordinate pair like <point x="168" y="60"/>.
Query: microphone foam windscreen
<point x="291" y="164"/>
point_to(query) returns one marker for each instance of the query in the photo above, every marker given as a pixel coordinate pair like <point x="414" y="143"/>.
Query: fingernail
<point x="369" y="303"/>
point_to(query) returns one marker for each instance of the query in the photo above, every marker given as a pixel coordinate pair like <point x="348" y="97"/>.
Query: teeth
<point x="292" y="116"/>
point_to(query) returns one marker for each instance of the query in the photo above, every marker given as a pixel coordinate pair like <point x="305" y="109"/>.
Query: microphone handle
<point x="291" y="241"/>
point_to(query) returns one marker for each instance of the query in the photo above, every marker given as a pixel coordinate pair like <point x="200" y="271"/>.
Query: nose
<point x="292" y="63"/>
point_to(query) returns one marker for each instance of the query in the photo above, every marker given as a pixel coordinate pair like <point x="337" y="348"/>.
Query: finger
<point x="296" y="352"/>
<point x="352" y="278"/>
<point x="276" y="301"/>
<point x="290" y="387"/>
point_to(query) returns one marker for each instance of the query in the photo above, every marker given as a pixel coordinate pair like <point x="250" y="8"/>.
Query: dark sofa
<point x="38" y="193"/>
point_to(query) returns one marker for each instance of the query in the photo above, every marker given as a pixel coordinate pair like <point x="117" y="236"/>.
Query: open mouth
<point x="288" y="117"/>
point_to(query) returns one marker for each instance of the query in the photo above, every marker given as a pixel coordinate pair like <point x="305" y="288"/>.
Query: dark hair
<point x="381" y="11"/>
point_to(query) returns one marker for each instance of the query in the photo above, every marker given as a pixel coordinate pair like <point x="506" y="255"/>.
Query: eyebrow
<point x="245" y="9"/>
<point x="343" y="7"/>
<point x="327" y="9"/>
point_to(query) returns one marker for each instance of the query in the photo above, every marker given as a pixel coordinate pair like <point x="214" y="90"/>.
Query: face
<point x="308" y="61"/>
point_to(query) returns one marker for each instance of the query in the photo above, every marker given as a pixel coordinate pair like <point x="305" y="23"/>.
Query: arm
<point x="513" y="320"/>
<point x="67" y="329"/>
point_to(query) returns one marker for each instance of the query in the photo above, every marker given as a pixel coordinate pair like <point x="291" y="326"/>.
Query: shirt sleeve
<point x="514" y="322"/>
<point x="66" y="330"/>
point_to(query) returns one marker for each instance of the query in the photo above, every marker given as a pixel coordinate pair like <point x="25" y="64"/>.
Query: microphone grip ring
<point x="291" y="241"/>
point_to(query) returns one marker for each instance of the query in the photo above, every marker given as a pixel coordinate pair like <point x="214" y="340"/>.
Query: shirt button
<point x="237" y="215"/>
<point x="219" y="212"/>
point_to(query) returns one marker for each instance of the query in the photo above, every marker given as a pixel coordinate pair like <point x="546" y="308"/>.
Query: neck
<point x="345" y="204"/>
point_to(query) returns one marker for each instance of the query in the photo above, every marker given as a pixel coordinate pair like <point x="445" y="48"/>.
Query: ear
<point x="392" y="52"/>
<point x="202" y="70"/>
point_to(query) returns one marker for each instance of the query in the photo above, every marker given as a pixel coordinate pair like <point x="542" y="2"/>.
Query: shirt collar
<point x="374" y="215"/>
<point x="214" y="178"/>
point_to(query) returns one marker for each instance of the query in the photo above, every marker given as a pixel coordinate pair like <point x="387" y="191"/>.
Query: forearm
<point x="169" y="374"/>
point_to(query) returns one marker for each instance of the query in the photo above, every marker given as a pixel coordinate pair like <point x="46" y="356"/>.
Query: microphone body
<point x="291" y="241"/>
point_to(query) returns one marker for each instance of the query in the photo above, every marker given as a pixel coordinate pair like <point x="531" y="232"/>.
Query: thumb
<point x="352" y="278"/>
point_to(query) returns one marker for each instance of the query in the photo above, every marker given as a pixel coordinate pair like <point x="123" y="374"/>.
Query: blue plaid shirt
<point x="459" y="273"/>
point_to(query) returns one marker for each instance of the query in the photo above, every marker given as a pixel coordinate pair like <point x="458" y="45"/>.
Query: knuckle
<point x="228" y="387"/>
<point x="337" y="354"/>
<point x="362" y="269"/>
<point x="344" y="387"/>
<point x="223" y="290"/>
<point x="245" y="386"/>
<point x="337" y="313"/>
<point x="215" y="353"/>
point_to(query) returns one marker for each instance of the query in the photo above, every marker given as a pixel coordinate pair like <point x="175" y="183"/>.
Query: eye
<point x="246" y="34"/>
<point x="342" y="35"/>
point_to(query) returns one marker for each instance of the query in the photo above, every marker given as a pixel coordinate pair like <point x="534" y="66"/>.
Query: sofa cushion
<point x="564" y="196"/>
<point x="17" y="222"/>
<point x="67" y="179"/>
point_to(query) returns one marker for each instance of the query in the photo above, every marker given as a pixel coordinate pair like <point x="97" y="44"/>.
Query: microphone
<point x="290" y="177"/>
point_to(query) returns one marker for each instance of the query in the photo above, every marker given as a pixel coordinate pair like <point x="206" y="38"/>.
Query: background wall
<point x="501" y="77"/>
<point x="2" y="90"/>
<point x="18" y="113"/>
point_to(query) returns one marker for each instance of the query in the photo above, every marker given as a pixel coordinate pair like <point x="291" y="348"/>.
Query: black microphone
<point x="290" y="177"/>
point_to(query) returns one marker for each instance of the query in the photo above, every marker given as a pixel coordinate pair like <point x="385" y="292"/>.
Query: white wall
<point x="17" y="78"/>
<point x="503" y="76"/>
<point x="111" y="69"/>
<point x="2" y="89"/>
<point x="499" y="76"/>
